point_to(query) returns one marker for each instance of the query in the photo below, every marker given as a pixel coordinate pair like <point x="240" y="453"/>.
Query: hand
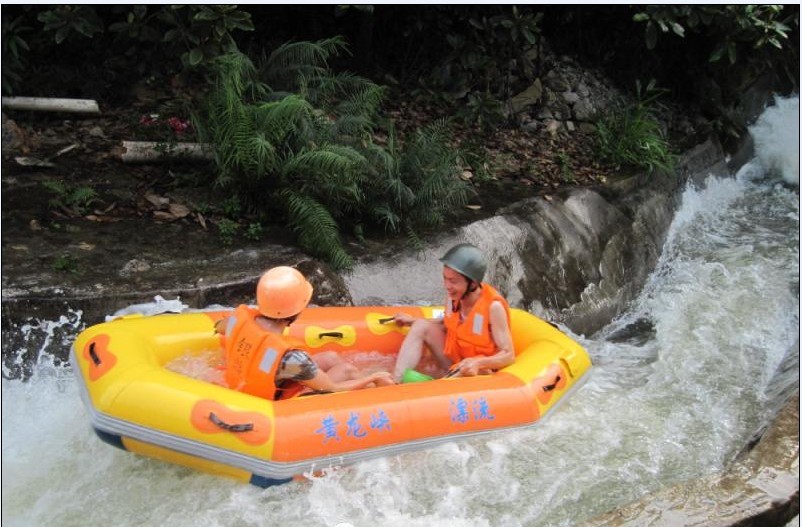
<point x="402" y="319"/>
<point x="220" y="326"/>
<point x="383" y="378"/>
<point x="468" y="367"/>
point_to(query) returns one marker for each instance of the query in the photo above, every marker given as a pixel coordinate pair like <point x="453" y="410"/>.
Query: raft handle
<point x="245" y="427"/>
<point x="335" y="334"/>
<point x="550" y="387"/>
<point x="386" y="320"/>
<point x="93" y="354"/>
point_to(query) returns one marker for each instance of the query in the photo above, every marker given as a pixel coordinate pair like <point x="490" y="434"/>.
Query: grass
<point x="635" y="136"/>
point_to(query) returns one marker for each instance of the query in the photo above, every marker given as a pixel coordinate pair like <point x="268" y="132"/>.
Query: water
<point x="682" y="381"/>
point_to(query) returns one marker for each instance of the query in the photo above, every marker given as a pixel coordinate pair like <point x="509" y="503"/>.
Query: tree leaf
<point x="195" y="56"/>
<point x="731" y="52"/>
<point x="651" y="35"/>
<point x="530" y="37"/>
<point x="61" y="34"/>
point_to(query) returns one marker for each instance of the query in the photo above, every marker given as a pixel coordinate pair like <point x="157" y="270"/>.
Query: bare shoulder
<point x="497" y="307"/>
<point x="498" y="315"/>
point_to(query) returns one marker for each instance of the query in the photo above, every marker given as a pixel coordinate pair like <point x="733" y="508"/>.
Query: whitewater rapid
<point x="681" y="382"/>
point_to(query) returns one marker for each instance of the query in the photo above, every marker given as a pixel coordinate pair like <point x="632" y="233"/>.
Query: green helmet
<point x="467" y="260"/>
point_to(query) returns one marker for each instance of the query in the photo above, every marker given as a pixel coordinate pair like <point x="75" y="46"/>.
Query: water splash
<point x="776" y="136"/>
<point x="158" y="306"/>
<point x="39" y="343"/>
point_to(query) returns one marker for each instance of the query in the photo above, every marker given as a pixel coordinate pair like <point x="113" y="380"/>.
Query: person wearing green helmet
<point x="473" y="337"/>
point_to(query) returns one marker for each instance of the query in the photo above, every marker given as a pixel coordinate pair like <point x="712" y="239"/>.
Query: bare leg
<point x="326" y="360"/>
<point x="337" y="368"/>
<point x="423" y="332"/>
<point x="344" y="371"/>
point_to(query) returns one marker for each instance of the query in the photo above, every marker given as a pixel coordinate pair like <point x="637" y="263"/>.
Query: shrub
<point x="76" y="199"/>
<point x="14" y="50"/>
<point x="294" y="141"/>
<point x="635" y="136"/>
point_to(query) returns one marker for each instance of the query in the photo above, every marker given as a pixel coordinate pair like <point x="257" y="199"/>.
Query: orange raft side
<point x="137" y="403"/>
<point x="344" y="422"/>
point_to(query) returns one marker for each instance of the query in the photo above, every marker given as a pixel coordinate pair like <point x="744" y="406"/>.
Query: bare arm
<point x="403" y="319"/>
<point x="322" y="382"/>
<point x="501" y="336"/>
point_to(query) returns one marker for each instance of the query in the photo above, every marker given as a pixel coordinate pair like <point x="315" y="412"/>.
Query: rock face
<point x="576" y="257"/>
<point x="565" y="98"/>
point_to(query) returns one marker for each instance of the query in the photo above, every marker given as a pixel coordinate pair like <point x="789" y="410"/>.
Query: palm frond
<point x="413" y="240"/>
<point x="325" y="160"/>
<point x="316" y="229"/>
<point x="385" y="215"/>
<point x="283" y="67"/>
<point x="278" y="119"/>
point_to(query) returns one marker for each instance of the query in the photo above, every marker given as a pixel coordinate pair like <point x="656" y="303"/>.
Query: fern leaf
<point x="316" y="229"/>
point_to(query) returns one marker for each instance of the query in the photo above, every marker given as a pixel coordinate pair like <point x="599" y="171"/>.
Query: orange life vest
<point x="472" y="336"/>
<point x="254" y="355"/>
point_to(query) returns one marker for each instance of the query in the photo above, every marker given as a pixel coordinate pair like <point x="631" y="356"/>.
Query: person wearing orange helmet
<point x="261" y="361"/>
<point x="473" y="337"/>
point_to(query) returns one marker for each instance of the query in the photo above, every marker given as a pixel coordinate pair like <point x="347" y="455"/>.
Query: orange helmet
<point x="282" y="292"/>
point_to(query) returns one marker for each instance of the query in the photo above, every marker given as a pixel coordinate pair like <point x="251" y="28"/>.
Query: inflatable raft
<point x="138" y="404"/>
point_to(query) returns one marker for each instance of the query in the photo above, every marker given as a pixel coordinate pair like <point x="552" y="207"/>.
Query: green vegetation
<point x="77" y="199"/>
<point x="227" y="230"/>
<point x="254" y="231"/>
<point x="204" y="31"/>
<point x="14" y="48"/>
<point x="295" y="141"/>
<point x="66" y="21"/>
<point x="564" y="163"/>
<point x="490" y="57"/>
<point x="729" y="26"/>
<point x="634" y="136"/>
<point x="66" y="263"/>
<point x="303" y="142"/>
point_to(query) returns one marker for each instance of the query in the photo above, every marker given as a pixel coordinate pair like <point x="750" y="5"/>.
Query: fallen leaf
<point x="466" y="175"/>
<point x="33" y="162"/>
<point x="34" y="225"/>
<point x="473" y="207"/>
<point x="86" y="246"/>
<point x="162" y="215"/>
<point x="156" y="200"/>
<point x="69" y="212"/>
<point x="201" y="220"/>
<point x="178" y="210"/>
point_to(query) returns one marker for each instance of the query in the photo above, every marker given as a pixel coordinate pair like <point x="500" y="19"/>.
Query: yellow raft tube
<point x="137" y="404"/>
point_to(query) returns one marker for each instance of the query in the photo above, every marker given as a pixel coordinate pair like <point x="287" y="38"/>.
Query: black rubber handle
<point x="550" y="387"/>
<point x="93" y="354"/>
<point x="386" y="320"/>
<point x="335" y="334"/>
<point x="245" y="427"/>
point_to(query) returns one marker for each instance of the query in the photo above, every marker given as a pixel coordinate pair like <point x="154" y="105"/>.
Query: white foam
<point x="776" y="136"/>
